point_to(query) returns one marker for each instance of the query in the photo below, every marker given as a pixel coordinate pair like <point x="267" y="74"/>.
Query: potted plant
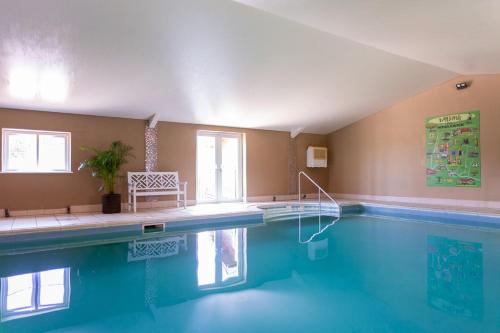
<point x="105" y="164"/>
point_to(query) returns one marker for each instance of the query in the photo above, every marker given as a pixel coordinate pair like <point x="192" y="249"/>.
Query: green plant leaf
<point x="106" y="164"/>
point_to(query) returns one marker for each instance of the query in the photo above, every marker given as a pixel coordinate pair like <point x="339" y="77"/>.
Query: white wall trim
<point x="421" y="200"/>
<point x="280" y="197"/>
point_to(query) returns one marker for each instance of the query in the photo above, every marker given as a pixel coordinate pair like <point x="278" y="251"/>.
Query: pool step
<point x="293" y="212"/>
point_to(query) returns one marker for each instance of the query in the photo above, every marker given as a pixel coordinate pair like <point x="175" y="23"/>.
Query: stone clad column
<point x="292" y="166"/>
<point x="151" y="158"/>
<point x="151" y="140"/>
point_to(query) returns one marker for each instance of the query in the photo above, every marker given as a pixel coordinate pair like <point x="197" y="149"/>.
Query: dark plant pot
<point x="111" y="203"/>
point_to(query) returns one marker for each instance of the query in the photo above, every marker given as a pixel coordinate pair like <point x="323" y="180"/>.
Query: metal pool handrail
<point x="320" y="190"/>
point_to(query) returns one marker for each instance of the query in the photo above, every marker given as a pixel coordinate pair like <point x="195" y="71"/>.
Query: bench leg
<point x="185" y="195"/>
<point x="178" y="199"/>
<point x="135" y="203"/>
<point x="129" y="201"/>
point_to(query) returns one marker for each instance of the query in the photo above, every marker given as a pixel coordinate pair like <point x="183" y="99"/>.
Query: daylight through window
<point x="35" y="151"/>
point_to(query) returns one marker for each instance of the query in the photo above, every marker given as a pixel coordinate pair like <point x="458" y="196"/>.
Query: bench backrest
<point x="154" y="181"/>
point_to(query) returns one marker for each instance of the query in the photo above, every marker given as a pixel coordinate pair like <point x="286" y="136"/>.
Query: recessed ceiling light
<point x="23" y="82"/>
<point x="53" y="86"/>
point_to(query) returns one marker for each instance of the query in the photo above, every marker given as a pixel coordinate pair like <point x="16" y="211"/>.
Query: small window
<point x="34" y="293"/>
<point x="35" y="151"/>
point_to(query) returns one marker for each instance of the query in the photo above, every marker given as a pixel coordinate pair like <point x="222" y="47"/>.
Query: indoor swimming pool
<point x="363" y="274"/>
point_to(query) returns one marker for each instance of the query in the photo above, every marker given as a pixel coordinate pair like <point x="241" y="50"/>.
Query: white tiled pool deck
<point x="44" y="223"/>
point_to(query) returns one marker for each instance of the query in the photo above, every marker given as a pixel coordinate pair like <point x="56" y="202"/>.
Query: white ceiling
<point x="459" y="35"/>
<point x="211" y="62"/>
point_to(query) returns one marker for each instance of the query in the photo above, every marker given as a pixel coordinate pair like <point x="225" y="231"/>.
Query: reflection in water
<point x="156" y="247"/>
<point x="317" y="249"/>
<point x="373" y="273"/>
<point x="35" y="293"/>
<point x="221" y="257"/>
<point x="323" y="222"/>
<point x="455" y="276"/>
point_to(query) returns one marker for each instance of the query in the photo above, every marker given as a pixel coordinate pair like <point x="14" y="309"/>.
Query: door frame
<point x="218" y="158"/>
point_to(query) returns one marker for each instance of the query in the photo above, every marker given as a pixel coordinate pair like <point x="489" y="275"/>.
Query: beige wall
<point x="380" y="155"/>
<point x="384" y="154"/>
<point x="47" y="191"/>
<point x="267" y="158"/>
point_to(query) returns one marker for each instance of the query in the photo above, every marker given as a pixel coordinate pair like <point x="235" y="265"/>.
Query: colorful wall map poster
<point x="453" y="150"/>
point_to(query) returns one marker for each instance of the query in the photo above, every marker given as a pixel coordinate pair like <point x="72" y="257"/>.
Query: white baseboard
<point x="33" y="212"/>
<point x="281" y="197"/>
<point x="262" y="198"/>
<point x="421" y="200"/>
<point x="140" y="205"/>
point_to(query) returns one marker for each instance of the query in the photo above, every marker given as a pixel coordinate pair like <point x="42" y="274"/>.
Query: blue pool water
<point x="363" y="274"/>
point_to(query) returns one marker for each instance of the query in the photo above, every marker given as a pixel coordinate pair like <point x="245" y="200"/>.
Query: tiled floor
<point x="41" y="223"/>
<point x="92" y="220"/>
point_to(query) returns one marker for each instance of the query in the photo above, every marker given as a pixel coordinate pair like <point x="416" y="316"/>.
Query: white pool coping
<point x="81" y="221"/>
<point x="49" y="223"/>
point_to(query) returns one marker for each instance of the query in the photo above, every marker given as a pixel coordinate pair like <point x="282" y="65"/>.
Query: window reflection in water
<point x="221" y="256"/>
<point x="35" y="293"/>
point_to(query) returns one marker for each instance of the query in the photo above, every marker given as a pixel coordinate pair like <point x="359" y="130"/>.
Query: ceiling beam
<point x="153" y="120"/>
<point x="296" y="132"/>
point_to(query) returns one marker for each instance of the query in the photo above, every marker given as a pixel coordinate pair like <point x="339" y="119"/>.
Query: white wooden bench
<point x="141" y="184"/>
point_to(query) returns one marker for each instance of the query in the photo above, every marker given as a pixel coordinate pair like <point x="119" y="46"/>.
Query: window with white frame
<point x="34" y="293"/>
<point x="35" y="151"/>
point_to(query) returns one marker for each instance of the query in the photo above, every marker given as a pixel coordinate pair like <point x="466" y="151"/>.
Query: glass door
<point x="219" y="167"/>
<point x="206" y="161"/>
<point x="230" y="166"/>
